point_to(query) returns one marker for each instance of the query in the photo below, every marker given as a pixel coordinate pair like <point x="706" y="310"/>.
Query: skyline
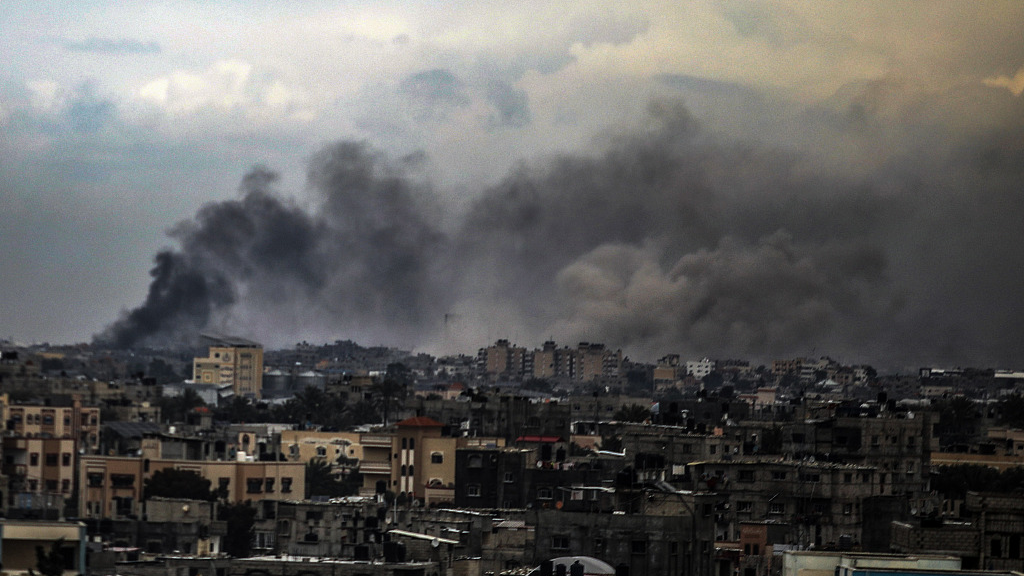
<point x="722" y="178"/>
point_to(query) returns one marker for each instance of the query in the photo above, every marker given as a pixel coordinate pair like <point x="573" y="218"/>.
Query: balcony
<point x="366" y="467"/>
<point x="379" y="441"/>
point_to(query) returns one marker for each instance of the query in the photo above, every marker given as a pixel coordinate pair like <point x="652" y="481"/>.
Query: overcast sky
<point x="713" y="178"/>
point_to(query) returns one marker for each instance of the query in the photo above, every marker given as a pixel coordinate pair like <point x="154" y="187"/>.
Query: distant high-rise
<point x="232" y="361"/>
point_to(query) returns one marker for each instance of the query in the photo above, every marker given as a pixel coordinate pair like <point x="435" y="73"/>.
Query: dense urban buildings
<point x="377" y="461"/>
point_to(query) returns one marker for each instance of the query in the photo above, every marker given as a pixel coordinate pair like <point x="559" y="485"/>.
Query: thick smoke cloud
<point x="868" y="243"/>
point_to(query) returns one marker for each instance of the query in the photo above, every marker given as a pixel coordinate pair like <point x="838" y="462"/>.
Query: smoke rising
<point x="894" y="245"/>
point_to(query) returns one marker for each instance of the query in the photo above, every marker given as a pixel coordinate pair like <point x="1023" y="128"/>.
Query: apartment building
<point x="112" y="487"/>
<point x="234" y="362"/>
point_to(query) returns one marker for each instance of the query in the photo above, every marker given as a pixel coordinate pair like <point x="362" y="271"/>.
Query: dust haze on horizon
<point x="669" y="238"/>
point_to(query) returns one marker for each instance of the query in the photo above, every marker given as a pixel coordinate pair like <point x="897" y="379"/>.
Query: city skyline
<point x="722" y="178"/>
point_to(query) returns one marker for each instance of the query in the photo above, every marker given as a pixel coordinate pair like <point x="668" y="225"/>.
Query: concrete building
<point x="234" y="362"/>
<point x="77" y="422"/>
<point x="112" y="487"/>
<point x="20" y="538"/>
<point x="700" y="368"/>
<point x="41" y="475"/>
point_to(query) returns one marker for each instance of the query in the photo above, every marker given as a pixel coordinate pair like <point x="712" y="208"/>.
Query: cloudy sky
<point x="744" y="179"/>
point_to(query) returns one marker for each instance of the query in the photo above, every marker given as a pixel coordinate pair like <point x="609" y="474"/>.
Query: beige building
<point x="75" y="422"/>
<point x="305" y="445"/>
<point x="112" y="487"/>
<point x="19" y="539"/>
<point x="234" y="362"/>
<point x="38" y="466"/>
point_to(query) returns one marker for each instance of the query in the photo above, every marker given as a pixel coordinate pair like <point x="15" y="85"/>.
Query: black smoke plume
<point x="861" y="241"/>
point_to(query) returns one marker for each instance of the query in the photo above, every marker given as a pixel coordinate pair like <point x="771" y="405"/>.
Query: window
<point x="473" y="490"/>
<point x="286" y="485"/>
<point x="95" y="479"/>
<point x="475" y="461"/>
<point x="544" y="493"/>
<point x="254" y="485"/>
<point x="65" y="486"/>
<point x="436" y="458"/>
<point x="405" y="443"/>
<point x="639" y="547"/>
<point x="122" y="480"/>
<point x="412" y="443"/>
<point x="48" y="420"/>
<point x="559" y="542"/>
<point x="776" y="508"/>
<point x="746" y="476"/>
<point x="321" y="451"/>
<point x="778" y="475"/>
<point x="51" y="485"/>
<point x="269" y="485"/>
<point x="51" y="459"/>
<point x="33" y="459"/>
<point x="712" y="449"/>
<point x="65" y="459"/>
<point x="848" y="478"/>
<point x="223" y="483"/>
<point x="847" y="509"/>
<point x="744" y="506"/>
<point x="509" y="477"/>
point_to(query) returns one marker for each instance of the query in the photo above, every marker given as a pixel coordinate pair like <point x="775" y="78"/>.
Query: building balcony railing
<point x="381" y="441"/>
<point x="374" y="467"/>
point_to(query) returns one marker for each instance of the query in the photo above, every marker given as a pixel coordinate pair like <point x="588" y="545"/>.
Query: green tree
<point x="174" y="483"/>
<point x="176" y="408"/>
<point x="392" y="390"/>
<point x="52" y="562"/>
<point x="321" y="481"/>
<point x="240" y="519"/>
<point x="632" y="413"/>
<point x="1011" y="411"/>
<point x="539" y="385"/>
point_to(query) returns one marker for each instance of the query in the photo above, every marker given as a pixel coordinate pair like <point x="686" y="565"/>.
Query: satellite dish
<point x="434" y="543"/>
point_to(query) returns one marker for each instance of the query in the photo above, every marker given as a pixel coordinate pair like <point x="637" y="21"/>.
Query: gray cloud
<point x="512" y="105"/>
<point x="434" y="92"/>
<point x="667" y="239"/>
<point x="113" y="46"/>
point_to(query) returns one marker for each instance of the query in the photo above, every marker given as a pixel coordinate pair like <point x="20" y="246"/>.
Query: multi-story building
<point x="505" y="361"/>
<point x="819" y="502"/>
<point x="77" y="422"/>
<point x="112" y="487"/>
<point x="40" y="473"/>
<point x="700" y="368"/>
<point x="234" y="362"/>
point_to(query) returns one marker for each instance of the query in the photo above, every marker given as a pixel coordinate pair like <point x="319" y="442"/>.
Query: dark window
<point x="472" y="490"/>
<point x="559" y="542"/>
<point x="33" y="459"/>
<point x="51" y="459"/>
<point x="475" y="461"/>
<point x="269" y="485"/>
<point x="122" y="480"/>
<point x="65" y="459"/>
<point x="95" y="479"/>
<point x="436" y="458"/>
<point x="254" y="485"/>
<point x="746" y="476"/>
<point x="286" y="485"/>
<point x="639" y="547"/>
<point x="412" y="443"/>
